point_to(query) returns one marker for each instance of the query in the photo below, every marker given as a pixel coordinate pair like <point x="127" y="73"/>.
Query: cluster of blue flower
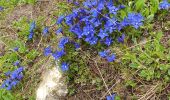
<point x="95" y="23"/>
<point x="164" y="5"/>
<point x="106" y="54"/>
<point x="14" y="77"/>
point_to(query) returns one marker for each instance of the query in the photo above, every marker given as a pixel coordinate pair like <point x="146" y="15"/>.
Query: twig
<point x="110" y="89"/>
<point x="102" y="77"/>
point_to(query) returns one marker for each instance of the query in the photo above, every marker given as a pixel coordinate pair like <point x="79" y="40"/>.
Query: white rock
<point x="52" y="86"/>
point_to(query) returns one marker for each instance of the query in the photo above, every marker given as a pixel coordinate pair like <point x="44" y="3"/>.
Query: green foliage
<point x="151" y="59"/>
<point x="6" y="95"/>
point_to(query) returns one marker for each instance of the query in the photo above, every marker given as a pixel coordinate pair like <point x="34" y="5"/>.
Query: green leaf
<point x="150" y="18"/>
<point x="139" y="4"/>
<point x="169" y="72"/>
<point x="134" y="65"/>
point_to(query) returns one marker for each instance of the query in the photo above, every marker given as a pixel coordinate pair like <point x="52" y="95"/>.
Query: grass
<point x="141" y="70"/>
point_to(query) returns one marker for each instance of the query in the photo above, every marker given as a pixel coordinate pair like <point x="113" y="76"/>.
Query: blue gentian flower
<point x="87" y="4"/>
<point x="75" y="13"/>
<point x="7" y="73"/>
<point x="102" y="34"/>
<point x="47" y="51"/>
<point x="109" y="3"/>
<point x="14" y="83"/>
<point x="164" y="5"/>
<point x="100" y="5"/>
<point x="92" y="40"/>
<point x="45" y="31"/>
<point x="76" y="3"/>
<point x="121" y="38"/>
<point x="111" y="58"/>
<point x="14" y="79"/>
<point x="108" y="41"/>
<point x="112" y="97"/>
<point x="16" y="49"/>
<point x="88" y="29"/>
<point x="85" y="19"/>
<point x="58" y="54"/>
<point x="30" y="35"/>
<point x="59" y="31"/>
<point x="63" y="42"/>
<point x="121" y="7"/>
<point x="94" y="2"/>
<point x="17" y="74"/>
<point x="94" y="12"/>
<point x="64" y="66"/>
<point x="96" y="22"/>
<point x="77" y="30"/>
<point x="16" y="63"/>
<point x="113" y="10"/>
<point x="133" y="19"/>
<point x="69" y="19"/>
<point x="76" y="45"/>
<point x="32" y="26"/>
<point x="103" y="54"/>
<point x="1" y="8"/>
<point x="60" y="19"/>
<point x="7" y="84"/>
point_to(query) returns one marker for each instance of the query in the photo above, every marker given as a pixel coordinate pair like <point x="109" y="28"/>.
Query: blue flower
<point x="47" y="51"/>
<point x="113" y="10"/>
<point x="16" y="63"/>
<point x="133" y="19"/>
<point x="59" y="31"/>
<point x="69" y="19"/>
<point x="109" y="3"/>
<point x="121" y="38"/>
<point x="45" y="31"/>
<point x="64" y="66"/>
<point x="88" y="30"/>
<point x="7" y="73"/>
<point x="14" y="83"/>
<point x="58" y="54"/>
<point x="102" y="34"/>
<point x="32" y="26"/>
<point x="76" y="45"/>
<point x="31" y="30"/>
<point x="14" y="79"/>
<point x="16" y="49"/>
<point x="121" y="6"/>
<point x="17" y="74"/>
<point x="75" y="13"/>
<point x="63" y="42"/>
<point x="111" y="25"/>
<point x="103" y="54"/>
<point x="96" y="22"/>
<point x="112" y="97"/>
<point x="111" y="58"/>
<point x="164" y="5"/>
<point x="92" y="40"/>
<point x="87" y="4"/>
<point x="30" y="35"/>
<point x="1" y="8"/>
<point x="60" y="19"/>
<point x="77" y="30"/>
<point x="100" y="5"/>
<point x="76" y="3"/>
<point x="94" y="13"/>
<point x="108" y="41"/>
